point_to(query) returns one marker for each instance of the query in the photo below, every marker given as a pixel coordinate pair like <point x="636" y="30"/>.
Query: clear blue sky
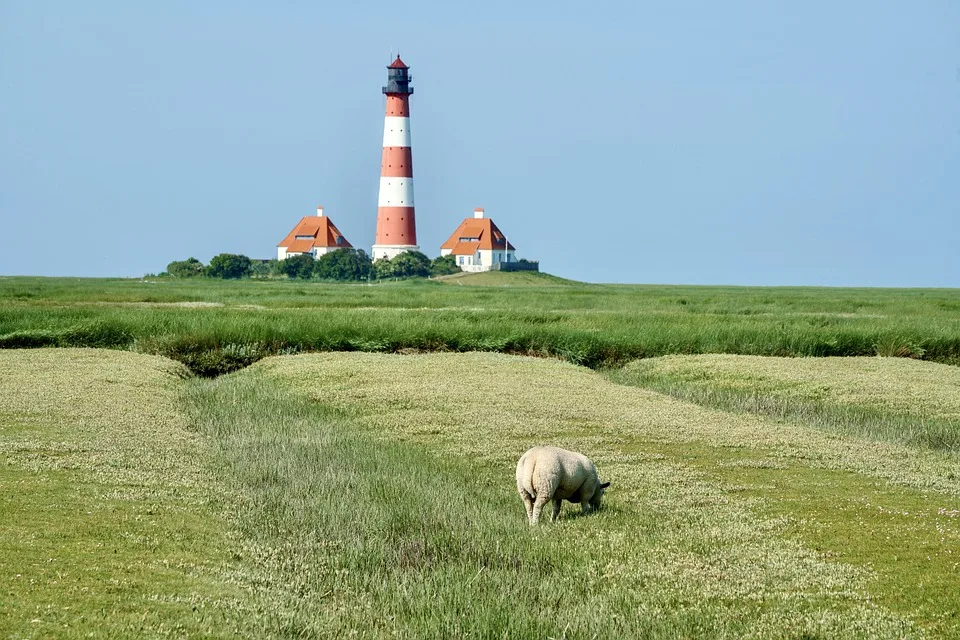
<point x="736" y="142"/>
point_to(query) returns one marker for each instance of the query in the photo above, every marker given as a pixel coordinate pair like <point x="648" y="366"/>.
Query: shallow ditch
<point x="209" y="356"/>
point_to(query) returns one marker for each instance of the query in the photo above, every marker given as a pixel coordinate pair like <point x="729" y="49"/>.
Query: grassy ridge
<point x="728" y="494"/>
<point x="506" y="279"/>
<point x="382" y="534"/>
<point x="214" y="327"/>
<point x="897" y="400"/>
<point x="106" y="525"/>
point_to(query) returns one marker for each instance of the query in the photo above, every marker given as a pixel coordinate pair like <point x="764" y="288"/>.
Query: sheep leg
<point x="556" y="509"/>
<point x="538" y="507"/>
<point x="527" y="503"/>
<point x="585" y="507"/>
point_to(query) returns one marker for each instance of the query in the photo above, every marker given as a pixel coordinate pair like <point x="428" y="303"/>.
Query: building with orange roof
<point x="313" y="235"/>
<point x="478" y="244"/>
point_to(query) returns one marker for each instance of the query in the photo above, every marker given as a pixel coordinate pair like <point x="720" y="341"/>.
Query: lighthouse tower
<point x="396" y="225"/>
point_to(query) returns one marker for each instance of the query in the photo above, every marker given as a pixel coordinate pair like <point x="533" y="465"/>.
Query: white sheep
<point x="552" y="473"/>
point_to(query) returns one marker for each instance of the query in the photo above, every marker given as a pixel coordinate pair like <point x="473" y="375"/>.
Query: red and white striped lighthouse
<point x="396" y="224"/>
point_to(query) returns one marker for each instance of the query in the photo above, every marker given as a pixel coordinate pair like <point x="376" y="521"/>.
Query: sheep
<point x="552" y="473"/>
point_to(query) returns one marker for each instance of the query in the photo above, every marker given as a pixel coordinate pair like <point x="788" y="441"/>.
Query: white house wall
<point x="316" y="252"/>
<point x="482" y="262"/>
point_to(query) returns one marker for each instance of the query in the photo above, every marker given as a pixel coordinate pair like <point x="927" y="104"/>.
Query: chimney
<point x="320" y="211"/>
<point x="478" y="213"/>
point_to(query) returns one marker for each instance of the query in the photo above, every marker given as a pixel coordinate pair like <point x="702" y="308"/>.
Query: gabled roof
<point x="300" y="246"/>
<point x="464" y="248"/>
<point x="319" y="231"/>
<point x="397" y="64"/>
<point x="488" y="237"/>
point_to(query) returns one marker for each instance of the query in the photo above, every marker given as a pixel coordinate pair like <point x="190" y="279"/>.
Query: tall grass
<point x="355" y="536"/>
<point x="229" y="325"/>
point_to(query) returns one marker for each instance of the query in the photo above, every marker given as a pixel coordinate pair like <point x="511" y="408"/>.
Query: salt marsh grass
<point x="893" y="399"/>
<point x="329" y="495"/>
<point x="216" y="326"/>
<point x="695" y="535"/>
<point x="365" y="521"/>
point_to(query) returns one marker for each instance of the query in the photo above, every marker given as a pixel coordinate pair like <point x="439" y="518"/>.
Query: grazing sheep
<point x="552" y="473"/>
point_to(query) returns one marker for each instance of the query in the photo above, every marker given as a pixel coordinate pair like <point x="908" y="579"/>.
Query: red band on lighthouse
<point x="396" y="223"/>
<point x="397" y="161"/>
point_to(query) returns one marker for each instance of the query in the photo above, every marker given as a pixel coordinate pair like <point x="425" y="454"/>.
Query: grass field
<point x="353" y="475"/>
<point x="215" y="327"/>
<point x="323" y="495"/>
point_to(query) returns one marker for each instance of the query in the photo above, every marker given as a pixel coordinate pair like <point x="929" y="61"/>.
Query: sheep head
<point x="598" y="495"/>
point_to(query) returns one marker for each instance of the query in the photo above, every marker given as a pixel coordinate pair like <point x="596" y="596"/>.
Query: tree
<point x="298" y="266"/>
<point x="344" y="264"/>
<point x="404" y="265"/>
<point x="382" y="268"/>
<point x="229" y="266"/>
<point x="444" y="265"/>
<point x="188" y="268"/>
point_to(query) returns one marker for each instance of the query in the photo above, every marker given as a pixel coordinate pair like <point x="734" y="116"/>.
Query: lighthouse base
<point x="389" y="251"/>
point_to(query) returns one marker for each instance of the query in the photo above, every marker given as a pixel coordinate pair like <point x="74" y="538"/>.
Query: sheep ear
<point x="605" y="485"/>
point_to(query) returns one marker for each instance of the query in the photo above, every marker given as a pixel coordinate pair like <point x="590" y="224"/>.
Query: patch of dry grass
<point x="894" y="399"/>
<point x="106" y="521"/>
<point x="901" y="385"/>
<point x="513" y="402"/>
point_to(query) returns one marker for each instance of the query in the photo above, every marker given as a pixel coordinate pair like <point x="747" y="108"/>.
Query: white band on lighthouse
<point x="396" y="192"/>
<point x="396" y="131"/>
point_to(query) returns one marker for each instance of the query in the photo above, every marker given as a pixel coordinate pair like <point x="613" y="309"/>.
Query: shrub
<point x="444" y="265"/>
<point x="189" y="268"/>
<point x="229" y="266"/>
<point x="344" y="264"/>
<point x="298" y="266"/>
<point x="408" y="264"/>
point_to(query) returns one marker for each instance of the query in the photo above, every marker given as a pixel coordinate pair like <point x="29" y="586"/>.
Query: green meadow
<point x="282" y="459"/>
<point x="216" y="326"/>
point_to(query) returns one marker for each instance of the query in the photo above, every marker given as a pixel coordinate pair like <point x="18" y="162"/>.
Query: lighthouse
<point x="396" y="224"/>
